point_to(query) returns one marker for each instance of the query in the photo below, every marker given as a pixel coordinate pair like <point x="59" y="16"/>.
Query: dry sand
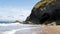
<point x="50" y="30"/>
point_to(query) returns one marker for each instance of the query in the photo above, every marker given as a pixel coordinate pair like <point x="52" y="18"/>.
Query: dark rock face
<point x="45" y="11"/>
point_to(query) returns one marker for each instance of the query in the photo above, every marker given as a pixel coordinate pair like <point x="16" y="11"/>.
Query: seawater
<point x="17" y="28"/>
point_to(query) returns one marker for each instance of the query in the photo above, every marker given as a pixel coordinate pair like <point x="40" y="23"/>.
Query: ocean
<point x="17" y="28"/>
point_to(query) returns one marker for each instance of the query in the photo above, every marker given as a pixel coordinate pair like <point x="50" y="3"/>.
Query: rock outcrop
<point x="45" y="12"/>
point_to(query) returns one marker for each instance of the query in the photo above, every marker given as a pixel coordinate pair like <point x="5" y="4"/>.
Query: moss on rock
<point x="45" y="11"/>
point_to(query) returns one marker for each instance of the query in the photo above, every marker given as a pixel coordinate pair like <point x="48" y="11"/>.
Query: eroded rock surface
<point x="45" y="12"/>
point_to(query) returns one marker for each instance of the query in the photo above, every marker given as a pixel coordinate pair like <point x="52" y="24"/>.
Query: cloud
<point x="13" y="13"/>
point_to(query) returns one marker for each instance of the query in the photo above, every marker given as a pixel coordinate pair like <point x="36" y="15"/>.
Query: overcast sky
<point x="16" y="9"/>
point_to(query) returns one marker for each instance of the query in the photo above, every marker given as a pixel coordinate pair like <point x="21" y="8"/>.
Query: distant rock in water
<point x="45" y="12"/>
<point x="17" y="21"/>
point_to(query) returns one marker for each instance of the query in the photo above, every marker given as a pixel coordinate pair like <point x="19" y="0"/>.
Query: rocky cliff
<point x="45" y="12"/>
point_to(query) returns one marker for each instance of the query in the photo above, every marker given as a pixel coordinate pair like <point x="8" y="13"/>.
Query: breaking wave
<point x="17" y="28"/>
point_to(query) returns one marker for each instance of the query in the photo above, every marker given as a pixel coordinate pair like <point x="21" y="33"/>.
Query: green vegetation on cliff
<point x="45" y="12"/>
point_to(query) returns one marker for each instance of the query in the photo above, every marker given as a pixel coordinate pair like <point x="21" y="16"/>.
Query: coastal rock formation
<point x="45" y="12"/>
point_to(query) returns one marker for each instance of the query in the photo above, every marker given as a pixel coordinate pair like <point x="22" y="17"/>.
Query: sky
<point x="16" y="9"/>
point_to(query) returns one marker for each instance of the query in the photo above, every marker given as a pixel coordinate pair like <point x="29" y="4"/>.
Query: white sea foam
<point x="13" y="31"/>
<point x="17" y="28"/>
<point x="9" y="24"/>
